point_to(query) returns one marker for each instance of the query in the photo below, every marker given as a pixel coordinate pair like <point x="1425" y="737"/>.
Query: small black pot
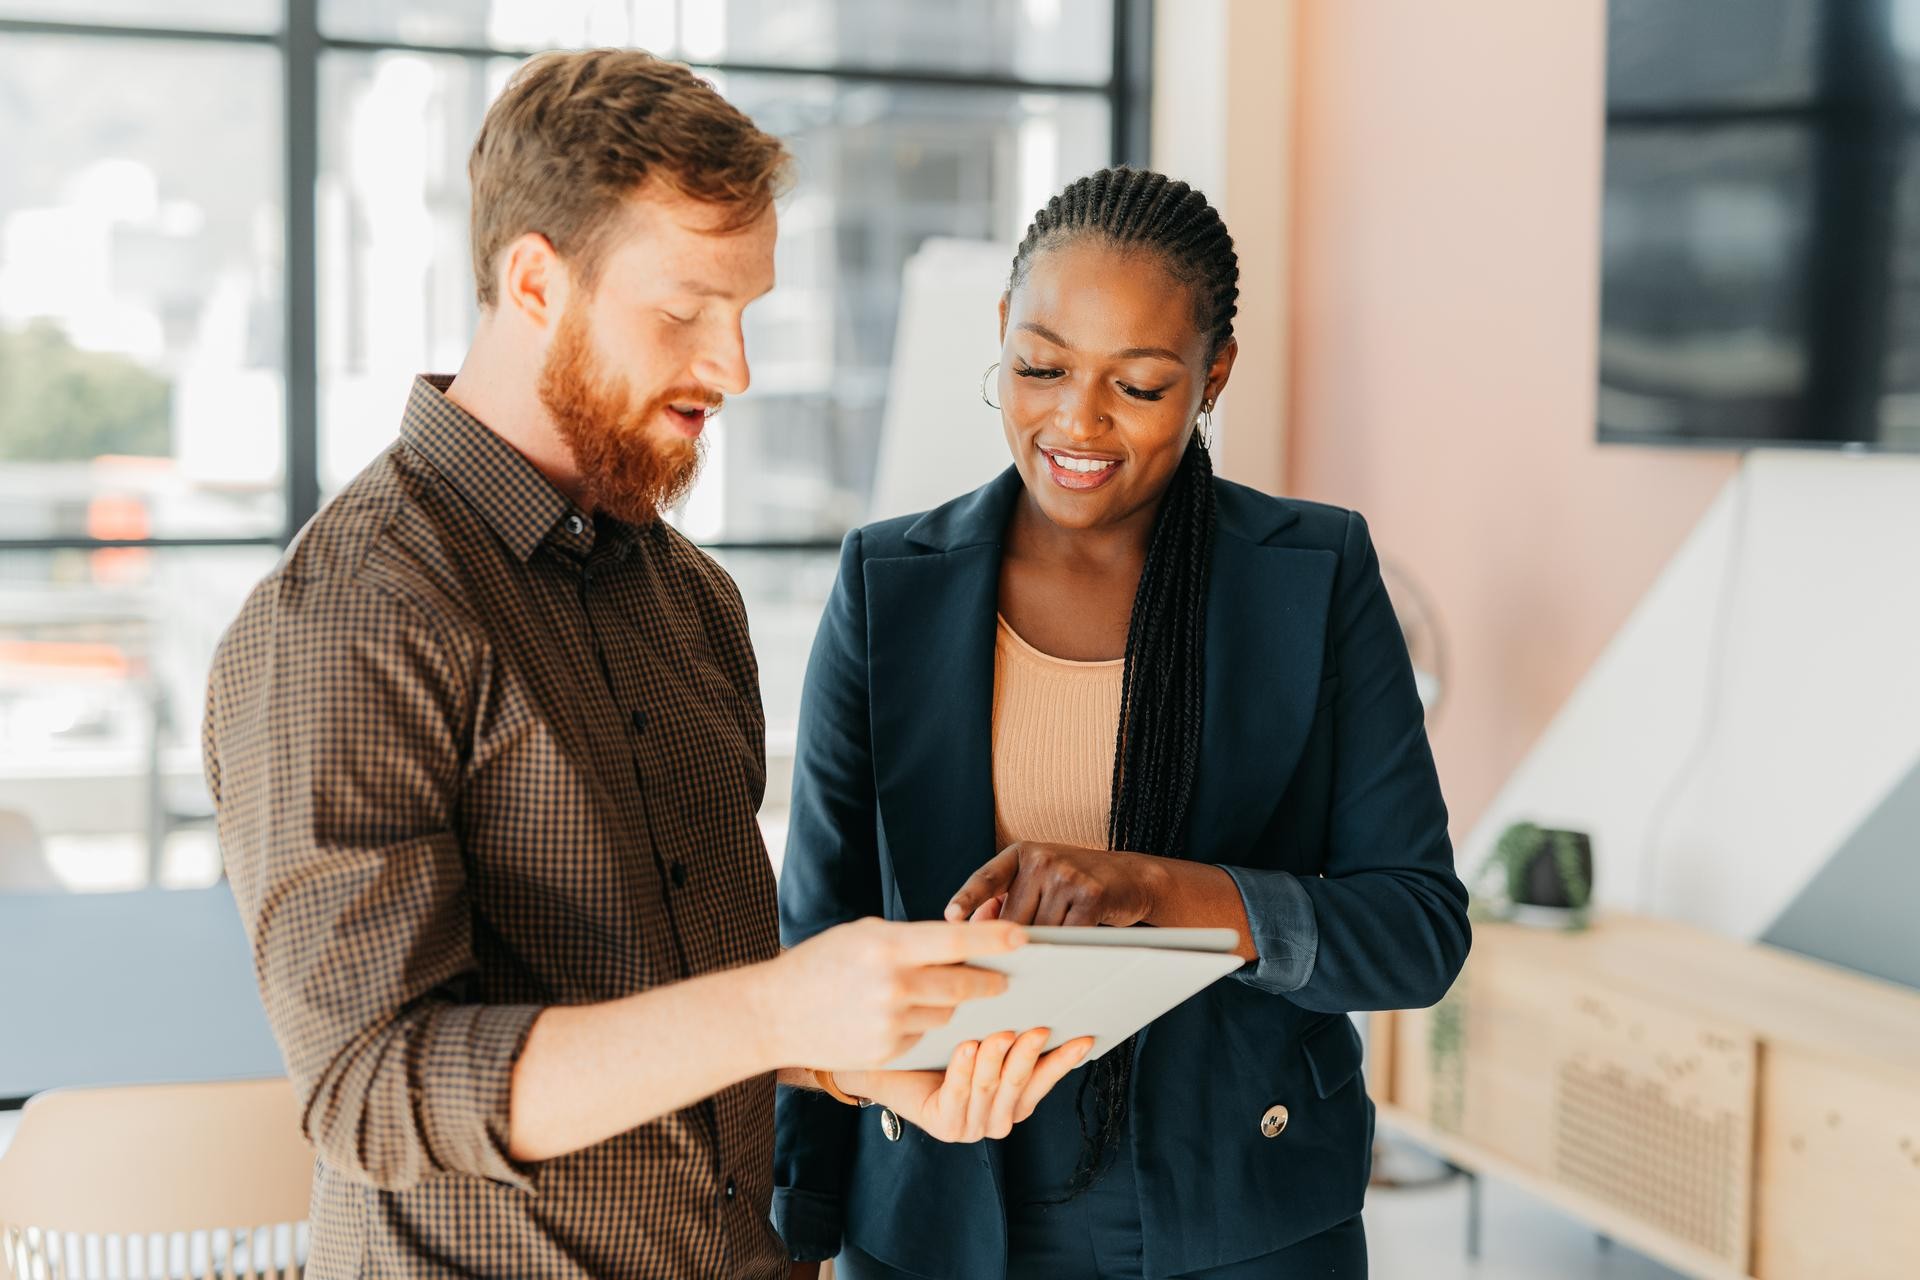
<point x="1542" y="885"/>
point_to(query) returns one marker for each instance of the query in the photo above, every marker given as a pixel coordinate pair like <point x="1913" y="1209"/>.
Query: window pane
<point x="395" y="275"/>
<point x="881" y="169"/>
<point x="103" y="667"/>
<point x="1711" y="53"/>
<point x="1067" y="41"/>
<point x="785" y="593"/>
<point x="1051" y="40"/>
<point x="140" y="289"/>
<point x="505" y="24"/>
<point x="198" y="15"/>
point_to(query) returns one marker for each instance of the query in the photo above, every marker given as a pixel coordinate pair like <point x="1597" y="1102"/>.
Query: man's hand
<point x="862" y="993"/>
<point x="988" y="1087"/>
<point x="1057" y="884"/>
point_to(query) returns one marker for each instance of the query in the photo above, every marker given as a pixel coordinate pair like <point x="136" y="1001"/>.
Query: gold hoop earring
<point x="983" y="384"/>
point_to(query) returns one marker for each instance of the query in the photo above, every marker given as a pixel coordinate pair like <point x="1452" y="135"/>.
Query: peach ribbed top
<point x="1054" y="723"/>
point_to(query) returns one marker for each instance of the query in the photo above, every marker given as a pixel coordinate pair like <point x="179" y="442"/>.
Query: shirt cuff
<point x="809" y="1221"/>
<point x="462" y="1086"/>
<point x="1285" y="935"/>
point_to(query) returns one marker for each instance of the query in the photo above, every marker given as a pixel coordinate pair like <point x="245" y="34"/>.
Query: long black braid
<point x="1156" y="756"/>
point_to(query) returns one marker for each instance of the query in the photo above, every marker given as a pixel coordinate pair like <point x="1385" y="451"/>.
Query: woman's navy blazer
<point x="1316" y="792"/>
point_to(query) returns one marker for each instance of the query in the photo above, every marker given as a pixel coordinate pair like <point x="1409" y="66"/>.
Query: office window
<point x="103" y="665"/>
<point x="1051" y="40"/>
<point x="506" y="24"/>
<point x="191" y="361"/>
<point x="395" y="280"/>
<point x="141" y="386"/>
<point x="253" y="16"/>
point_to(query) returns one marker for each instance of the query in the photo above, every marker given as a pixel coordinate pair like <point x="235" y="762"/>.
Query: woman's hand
<point x="988" y="1087"/>
<point x="1048" y="884"/>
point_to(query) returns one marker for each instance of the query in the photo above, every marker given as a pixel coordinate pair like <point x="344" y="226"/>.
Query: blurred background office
<point x="230" y="237"/>
<point x="1604" y="312"/>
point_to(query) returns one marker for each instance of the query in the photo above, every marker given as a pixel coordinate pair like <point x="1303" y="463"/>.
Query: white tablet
<point x="1106" y="983"/>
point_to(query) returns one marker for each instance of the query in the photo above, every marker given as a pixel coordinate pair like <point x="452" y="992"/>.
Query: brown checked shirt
<point x="475" y="753"/>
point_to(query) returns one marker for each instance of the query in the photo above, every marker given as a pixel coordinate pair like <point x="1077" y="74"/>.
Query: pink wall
<point x="1447" y="180"/>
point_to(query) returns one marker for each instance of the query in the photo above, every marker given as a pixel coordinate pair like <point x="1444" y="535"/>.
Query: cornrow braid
<point x="1163" y="685"/>
<point x="1132" y="208"/>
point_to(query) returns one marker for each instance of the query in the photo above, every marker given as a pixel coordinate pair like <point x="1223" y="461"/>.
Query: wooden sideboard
<point x="1729" y="1108"/>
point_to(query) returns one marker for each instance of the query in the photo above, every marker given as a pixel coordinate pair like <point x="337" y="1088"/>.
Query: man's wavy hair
<point x="574" y="135"/>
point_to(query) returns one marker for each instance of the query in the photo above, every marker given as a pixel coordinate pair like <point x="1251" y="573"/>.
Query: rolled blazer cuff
<point x="1284" y="930"/>
<point x="809" y="1221"/>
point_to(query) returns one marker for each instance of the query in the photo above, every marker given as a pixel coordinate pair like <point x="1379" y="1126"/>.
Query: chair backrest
<point x="193" y="1179"/>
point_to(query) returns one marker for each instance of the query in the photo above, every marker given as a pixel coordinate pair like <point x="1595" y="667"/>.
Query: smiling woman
<point x="1165" y="700"/>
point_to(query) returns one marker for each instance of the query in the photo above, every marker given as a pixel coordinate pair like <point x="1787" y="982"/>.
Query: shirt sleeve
<point x="336" y="727"/>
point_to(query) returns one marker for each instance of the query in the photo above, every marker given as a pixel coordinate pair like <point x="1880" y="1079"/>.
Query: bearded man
<point x="487" y="749"/>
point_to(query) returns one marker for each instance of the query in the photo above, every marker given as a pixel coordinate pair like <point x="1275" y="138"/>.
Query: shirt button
<point x="732" y="1190"/>
<point x="576" y="525"/>
<point x="639" y="721"/>
<point x="678" y="873"/>
<point x="1274" y="1122"/>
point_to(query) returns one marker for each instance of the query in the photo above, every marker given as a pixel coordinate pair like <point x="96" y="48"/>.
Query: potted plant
<point x="1539" y="875"/>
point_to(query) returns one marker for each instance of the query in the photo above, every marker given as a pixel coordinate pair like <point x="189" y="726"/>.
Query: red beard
<point x="628" y="467"/>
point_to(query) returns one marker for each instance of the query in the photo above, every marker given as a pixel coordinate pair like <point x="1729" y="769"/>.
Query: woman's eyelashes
<point x="1046" y="374"/>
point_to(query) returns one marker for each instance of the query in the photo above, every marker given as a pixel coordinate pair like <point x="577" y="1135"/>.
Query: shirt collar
<point x="497" y="480"/>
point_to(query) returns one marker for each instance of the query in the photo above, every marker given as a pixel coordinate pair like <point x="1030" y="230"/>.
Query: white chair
<point x="23" y="860"/>
<point x="156" y="1180"/>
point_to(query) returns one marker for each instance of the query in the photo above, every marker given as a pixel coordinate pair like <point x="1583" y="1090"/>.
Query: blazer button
<point x="890" y="1124"/>
<point x="1274" y="1122"/>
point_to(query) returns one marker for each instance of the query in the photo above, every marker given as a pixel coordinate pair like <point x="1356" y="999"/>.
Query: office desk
<point x="153" y="987"/>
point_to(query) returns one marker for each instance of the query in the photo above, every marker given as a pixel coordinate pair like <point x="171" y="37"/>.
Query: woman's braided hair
<point x="1163" y="688"/>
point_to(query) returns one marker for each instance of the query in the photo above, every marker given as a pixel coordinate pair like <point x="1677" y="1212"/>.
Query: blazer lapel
<point x="931" y="623"/>
<point x="931" y="619"/>
<point x="1266" y="638"/>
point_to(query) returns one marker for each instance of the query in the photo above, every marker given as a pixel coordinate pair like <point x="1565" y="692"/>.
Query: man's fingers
<point x="1014" y="1075"/>
<point x="937" y="943"/>
<point x="989" y="881"/>
<point x="922" y="1018"/>
<point x="1048" y="1072"/>
<point x="951" y="984"/>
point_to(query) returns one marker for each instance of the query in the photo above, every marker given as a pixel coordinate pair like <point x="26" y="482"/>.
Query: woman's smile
<point x="1078" y="471"/>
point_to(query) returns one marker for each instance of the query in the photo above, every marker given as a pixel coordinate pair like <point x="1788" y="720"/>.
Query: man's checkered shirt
<point x="475" y="753"/>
